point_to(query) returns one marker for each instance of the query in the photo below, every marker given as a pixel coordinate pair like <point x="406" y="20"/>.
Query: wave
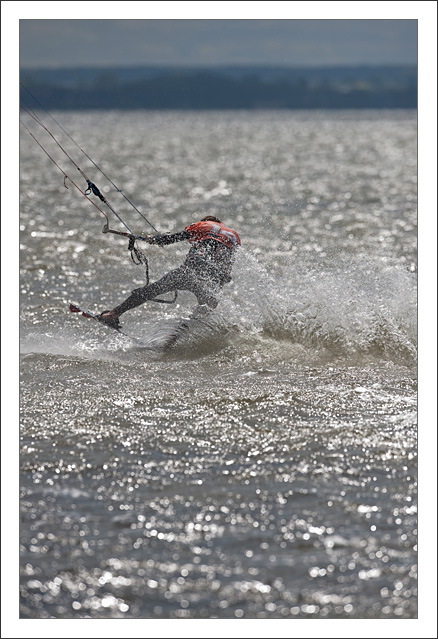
<point x="342" y="305"/>
<point x="337" y="307"/>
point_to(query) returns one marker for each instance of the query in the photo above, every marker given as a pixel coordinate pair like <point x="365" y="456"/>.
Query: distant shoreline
<point x="175" y="88"/>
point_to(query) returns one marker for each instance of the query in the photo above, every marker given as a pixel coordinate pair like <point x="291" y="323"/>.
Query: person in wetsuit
<point x="206" y="268"/>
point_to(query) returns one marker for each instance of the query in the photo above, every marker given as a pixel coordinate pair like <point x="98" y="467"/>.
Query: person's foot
<point x="110" y="318"/>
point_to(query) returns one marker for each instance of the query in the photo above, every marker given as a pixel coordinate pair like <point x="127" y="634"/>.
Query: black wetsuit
<point x="206" y="268"/>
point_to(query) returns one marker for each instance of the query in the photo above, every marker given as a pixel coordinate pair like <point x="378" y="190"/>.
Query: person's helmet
<point x="211" y="218"/>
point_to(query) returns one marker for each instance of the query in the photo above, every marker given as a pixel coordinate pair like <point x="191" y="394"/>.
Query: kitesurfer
<point x="204" y="272"/>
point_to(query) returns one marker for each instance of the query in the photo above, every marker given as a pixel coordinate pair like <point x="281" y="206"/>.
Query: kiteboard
<point x="77" y="309"/>
<point x="165" y="338"/>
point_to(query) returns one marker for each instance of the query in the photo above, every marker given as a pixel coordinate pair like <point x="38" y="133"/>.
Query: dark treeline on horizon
<point x="388" y="87"/>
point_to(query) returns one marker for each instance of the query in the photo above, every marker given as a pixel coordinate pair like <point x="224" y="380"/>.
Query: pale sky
<point x="58" y="43"/>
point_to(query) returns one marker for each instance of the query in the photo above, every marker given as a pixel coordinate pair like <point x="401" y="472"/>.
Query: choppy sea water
<point x="265" y="467"/>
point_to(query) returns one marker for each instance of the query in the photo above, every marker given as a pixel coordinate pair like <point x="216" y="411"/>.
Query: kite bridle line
<point x="89" y="158"/>
<point x="137" y="256"/>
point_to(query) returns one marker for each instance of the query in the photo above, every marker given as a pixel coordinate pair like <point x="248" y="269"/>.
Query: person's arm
<point x="167" y="238"/>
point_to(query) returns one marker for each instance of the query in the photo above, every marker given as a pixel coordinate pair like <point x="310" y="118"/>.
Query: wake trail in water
<point x="339" y="306"/>
<point x="344" y="305"/>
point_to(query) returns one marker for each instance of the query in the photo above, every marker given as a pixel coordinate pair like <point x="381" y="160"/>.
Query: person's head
<point x="211" y="218"/>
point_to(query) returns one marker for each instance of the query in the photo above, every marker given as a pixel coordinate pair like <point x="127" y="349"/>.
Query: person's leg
<point x="181" y="278"/>
<point x="205" y="287"/>
<point x="205" y="294"/>
<point x="169" y="282"/>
